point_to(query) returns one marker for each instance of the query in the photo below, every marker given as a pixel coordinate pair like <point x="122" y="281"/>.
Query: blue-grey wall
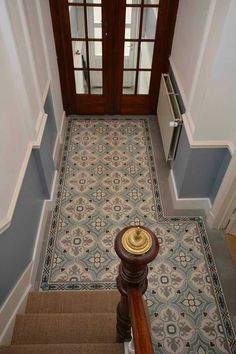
<point x="17" y="242"/>
<point x="51" y="124"/>
<point x="44" y="155"/>
<point x="198" y="172"/>
<point x="44" y="159"/>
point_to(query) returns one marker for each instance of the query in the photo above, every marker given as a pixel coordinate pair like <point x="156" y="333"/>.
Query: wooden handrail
<point x="139" y="322"/>
<point x="136" y="247"/>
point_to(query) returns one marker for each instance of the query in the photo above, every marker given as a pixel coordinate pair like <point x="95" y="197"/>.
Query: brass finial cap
<point x="136" y="240"/>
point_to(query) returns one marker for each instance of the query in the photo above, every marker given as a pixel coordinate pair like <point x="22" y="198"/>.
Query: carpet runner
<point x="67" y="322"/>
<point x="107" y="182"/>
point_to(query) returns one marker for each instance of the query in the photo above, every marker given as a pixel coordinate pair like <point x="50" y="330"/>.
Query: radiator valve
<point x="173" y="124"/>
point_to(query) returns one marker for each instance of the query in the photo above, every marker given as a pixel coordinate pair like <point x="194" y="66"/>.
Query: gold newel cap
<point x="136" y="240"/>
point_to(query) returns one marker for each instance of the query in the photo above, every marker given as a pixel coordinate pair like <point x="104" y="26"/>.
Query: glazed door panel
<point x="111" y="53"/>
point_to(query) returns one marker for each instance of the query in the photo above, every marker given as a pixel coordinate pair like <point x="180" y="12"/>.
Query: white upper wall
<point x="51" y="58"/>
<point x="189" y="33"/>
<point x="28" y="67"/>
<point x="202" y="58"/>
<point x="23" y="67"/>
<point x="219" y="104"/>
<point x="32" y="21"/>
<point x="13" y="142"/>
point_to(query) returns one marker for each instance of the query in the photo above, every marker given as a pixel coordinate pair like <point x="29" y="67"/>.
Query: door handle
<point x="106" y="28"/>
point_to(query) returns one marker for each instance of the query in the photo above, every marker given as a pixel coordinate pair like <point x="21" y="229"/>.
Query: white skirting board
<point x="48" y="205"/>
<point x="14" y="304"/>
<point x="187" y="203"/>
<point x="16" y="301"/>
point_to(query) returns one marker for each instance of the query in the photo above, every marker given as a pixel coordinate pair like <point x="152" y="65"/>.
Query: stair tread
<point x="65" y="328"/>
<point x="72" y="301"/>
<point x="91" y="348"/>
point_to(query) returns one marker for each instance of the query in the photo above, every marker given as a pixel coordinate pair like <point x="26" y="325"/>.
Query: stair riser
<point x="65" y="328"/>
<point x="95" y="348"/>
<point x="73" y="302"/>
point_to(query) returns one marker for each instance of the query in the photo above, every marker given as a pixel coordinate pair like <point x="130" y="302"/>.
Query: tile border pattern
<point x="162" y="218"/>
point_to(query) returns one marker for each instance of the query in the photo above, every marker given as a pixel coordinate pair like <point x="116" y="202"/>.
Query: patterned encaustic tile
<point x="108" y="181"/>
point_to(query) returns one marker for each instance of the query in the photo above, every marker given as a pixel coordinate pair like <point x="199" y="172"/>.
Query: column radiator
<point x="169" y="117"/>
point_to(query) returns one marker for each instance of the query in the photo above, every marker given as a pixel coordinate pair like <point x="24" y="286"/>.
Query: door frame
<point x="126" y="104"/>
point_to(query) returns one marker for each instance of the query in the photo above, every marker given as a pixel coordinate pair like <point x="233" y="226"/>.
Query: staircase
<point x="66" y="322"/>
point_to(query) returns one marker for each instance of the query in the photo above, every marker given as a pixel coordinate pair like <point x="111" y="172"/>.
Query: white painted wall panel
<point x="14" y="132"/>
<point x="25" y="65"/>
<point x="50" y="52"/>
<point x="216" y="119"/>
<point x="30" y="7"/>
<point x="212" y="43"/>
<point x="203" y="56"/>
<point x="190" y="26"/>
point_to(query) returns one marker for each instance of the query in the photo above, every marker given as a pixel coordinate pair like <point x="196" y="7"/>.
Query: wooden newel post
<point x="136" y="247"/>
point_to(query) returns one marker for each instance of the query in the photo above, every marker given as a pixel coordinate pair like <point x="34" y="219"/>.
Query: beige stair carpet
<point x="97" y="348"/>
<point x="72" y="301"/>
<point x="64" y="328"/>
<point x="66" y="323"/>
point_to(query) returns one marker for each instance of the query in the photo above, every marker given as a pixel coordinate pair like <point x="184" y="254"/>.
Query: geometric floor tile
<point x="107" y="182"/>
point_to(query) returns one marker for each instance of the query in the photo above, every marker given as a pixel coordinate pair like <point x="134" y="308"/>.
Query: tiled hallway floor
<point x="224" y="263"/>
<point x="220" y="251"/>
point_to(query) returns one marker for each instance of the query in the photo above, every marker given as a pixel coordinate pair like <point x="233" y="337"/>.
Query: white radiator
<point x="169" y="117"/>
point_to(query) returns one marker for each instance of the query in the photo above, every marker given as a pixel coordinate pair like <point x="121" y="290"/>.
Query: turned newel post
<point x="136" y="247"/>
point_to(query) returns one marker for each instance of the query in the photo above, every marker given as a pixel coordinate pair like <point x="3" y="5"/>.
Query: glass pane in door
<point x="77" y="1"/>
<point x="149" y="22"/>
<point x="81" y="81"/>
<point x="96" y="82"/>
<point x="77" y="25"/>
<point x="143" y="82"/>
<point x="133" y="2"/>
<point x="151" y="2"/>
<point x="93" y="1"/>
<point x="132" y="22"/>
<point x="129" y="82"/>
<point x="130" y="55"/>
<point x="78" y="51"/>
<point x="95" y="54"/>
<point x="94" y="20"/>
<point x="146" y="55"/>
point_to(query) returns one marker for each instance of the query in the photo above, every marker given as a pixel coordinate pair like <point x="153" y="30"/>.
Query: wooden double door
<point x="111" y="53"/>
